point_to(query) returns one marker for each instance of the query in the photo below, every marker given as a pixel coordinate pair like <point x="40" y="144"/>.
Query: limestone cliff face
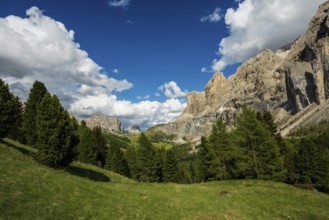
<point x="288" y="82"/>
<point x="306" y="68"/>
<point x="107" y="124"/>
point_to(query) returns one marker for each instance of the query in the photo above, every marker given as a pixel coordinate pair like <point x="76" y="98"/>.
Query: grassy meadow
<point x="29" y="190"/>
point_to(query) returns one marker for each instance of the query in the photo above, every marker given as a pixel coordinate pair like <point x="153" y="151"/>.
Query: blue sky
<point x="143" y="55"/>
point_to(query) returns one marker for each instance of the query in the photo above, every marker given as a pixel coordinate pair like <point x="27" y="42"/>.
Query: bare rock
<point x="107" y="124"/>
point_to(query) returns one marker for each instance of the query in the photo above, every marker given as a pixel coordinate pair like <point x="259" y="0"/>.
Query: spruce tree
<point x="101" y="145"/>
<point x="116" y="162"/>
<point x="29" y="125"/>
<point x="202" y="161"/>
<point x="145" y="154"/>
<point x="223" y="153"/>
<point x="10" y="112"/>
<point x="87" y="148"/>
<point x="55" y="140"/>
<point x="170" y="169"/>
<point x="131" y="159"/>
<point x="258" y="148"/>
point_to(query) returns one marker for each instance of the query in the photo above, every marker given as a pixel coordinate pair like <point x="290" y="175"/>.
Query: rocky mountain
<point x="293" y="83"/>
<point x="134" y="129"/>
<point x="108" y="124"/>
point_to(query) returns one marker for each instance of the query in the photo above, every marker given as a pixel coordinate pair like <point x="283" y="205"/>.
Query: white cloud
<point x="40" y="48"/>
<point x="119" y="3"/>
<point x="172" y="90"/>
<point x="258" y="24"/>
<point x="157" y="94"/>
<point x="116" y="71"/>
<point x="144" y="113"/>
<point x="214" y="17"/>
<point x="129" y="22"/>
<point x="205" y="70"/>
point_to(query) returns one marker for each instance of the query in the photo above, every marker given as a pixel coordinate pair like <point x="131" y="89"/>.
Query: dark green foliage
<point x="312" y="162"/>
<point x="29" y="125"/>
<point x="202" y="162"/>
<point x="158" y="163"/>
<point x="87" y="147"/>
<point x="116" y="161"/>
<point x="145" y="155"/>
<point x="100" y="142"/>
<point x="259" y="151"/>
<point x="120" y="141"/>
<point x="223" y="155"/>
<point x="131" y="158"/>
<point x="160" y="136"/>
<point x="170" y="169"/>
<point x="56" y="139"/>
<point x="10" y="113"/>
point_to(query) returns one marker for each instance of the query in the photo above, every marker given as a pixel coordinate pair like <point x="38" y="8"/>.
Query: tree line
<point x="253" y="149"/>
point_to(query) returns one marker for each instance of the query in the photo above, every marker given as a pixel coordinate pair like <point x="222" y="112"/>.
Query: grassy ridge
<point x="31" y="191"/>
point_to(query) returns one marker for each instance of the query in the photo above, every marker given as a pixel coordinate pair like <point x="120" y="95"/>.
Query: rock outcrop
<point x="107" y="124"/>
<point x="134" y="129"/>
<point x="286" y="82"/>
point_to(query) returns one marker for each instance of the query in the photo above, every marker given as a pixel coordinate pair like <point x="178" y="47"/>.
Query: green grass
<point x="32" y="191"/>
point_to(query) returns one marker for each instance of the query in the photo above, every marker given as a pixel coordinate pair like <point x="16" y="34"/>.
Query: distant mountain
<point x="134" y="129"/>
<point x="293" y="83"/>
<point x="108" y="124"/>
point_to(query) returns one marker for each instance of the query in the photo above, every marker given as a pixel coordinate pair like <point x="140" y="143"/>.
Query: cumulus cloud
<point x="257" y="24"/>
<point x="41" y="48"/>
<point x="145" y="113"/>
<point x="119" y="3"/>
<point x="172" y="90"/>
<point x="214" y="17"/>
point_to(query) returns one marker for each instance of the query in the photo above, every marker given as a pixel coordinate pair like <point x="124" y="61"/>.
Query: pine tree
<point x="10" y="112"/>
<point x="55" y="140"/>
<point x="170" y="169"/>
<point x="258" y="148"/>
<point x="29" y="125"/>
<point x="145" y="154"/>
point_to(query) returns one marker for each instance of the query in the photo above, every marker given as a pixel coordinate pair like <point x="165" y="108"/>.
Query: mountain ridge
<point x="287" y="82"/>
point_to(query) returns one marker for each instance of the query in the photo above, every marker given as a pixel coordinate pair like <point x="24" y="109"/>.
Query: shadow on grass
<point x="20" y="149"/>
<point x="87" y="173"/>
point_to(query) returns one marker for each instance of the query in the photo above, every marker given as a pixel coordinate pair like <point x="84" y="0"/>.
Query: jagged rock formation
<point x="134" y="129"/>
<point x="287" y="82"/>
<point x="107" y="124"/>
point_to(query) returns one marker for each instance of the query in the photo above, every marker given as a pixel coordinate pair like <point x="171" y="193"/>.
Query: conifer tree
<point x="87" y="148"/>
<point x="116" y="162"/>
<point x="131" y="159"/>
<point x="258" y="148"/>
<point x="145" y="154"/>
<point x="29" y="125"/>
<point x="223" y="154"/>
<point x="202" y="161"/>
<point x="170" y="169"/>
<point x="101" y="145"/>
<point x="158" y="163"/>
<point x="55" y="140"/>
<point x="10" y="112"/>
